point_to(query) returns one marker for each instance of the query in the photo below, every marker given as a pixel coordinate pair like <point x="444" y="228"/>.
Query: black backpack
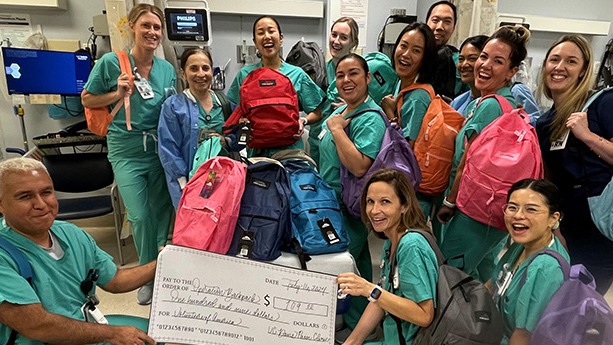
<point x="465" y="312"/>
<point x="445" y="72"/>
<point x="309" y="57"/>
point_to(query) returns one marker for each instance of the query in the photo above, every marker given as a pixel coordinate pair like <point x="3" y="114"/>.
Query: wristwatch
<point x="375" y="294"/>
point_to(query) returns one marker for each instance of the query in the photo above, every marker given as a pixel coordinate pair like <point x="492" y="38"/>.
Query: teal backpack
<point x="383" y="76"/>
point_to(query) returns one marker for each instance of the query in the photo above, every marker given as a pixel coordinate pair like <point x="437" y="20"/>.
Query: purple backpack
<point x="576" y="313"/>
<point x="395" y="153"/>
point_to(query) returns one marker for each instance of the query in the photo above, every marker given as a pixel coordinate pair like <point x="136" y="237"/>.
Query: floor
<point x="102" y="231"/>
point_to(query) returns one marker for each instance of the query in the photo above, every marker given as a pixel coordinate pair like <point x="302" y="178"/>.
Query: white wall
<point x="56" y="24"/>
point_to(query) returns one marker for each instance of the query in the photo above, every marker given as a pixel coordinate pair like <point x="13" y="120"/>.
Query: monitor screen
<point x="187" y="25"/>
<point x="30" y="71"/>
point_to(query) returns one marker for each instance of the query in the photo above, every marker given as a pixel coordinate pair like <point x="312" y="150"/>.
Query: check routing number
<point x="207" y="298"/>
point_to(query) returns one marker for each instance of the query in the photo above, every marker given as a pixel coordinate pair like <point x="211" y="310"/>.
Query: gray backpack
<point x="309" y="57"/>
<point x="465" y="312"/>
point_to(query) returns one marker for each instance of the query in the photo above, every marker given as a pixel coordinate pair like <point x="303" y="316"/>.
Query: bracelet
<point x="448" y="204"/>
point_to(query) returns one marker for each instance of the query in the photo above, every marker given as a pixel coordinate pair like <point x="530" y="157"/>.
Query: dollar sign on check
<point x="267" y="300"/>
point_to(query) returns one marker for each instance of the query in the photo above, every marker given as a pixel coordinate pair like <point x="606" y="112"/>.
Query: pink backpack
<point x="506" y="151"/>
<point x="209" y="206"/>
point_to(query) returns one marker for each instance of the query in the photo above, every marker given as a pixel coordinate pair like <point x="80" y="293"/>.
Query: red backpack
<point x="506" y="151"/>
<point x="435" y="143"/>
<point x="270" y="103"/>
<point x="209" y="207"/>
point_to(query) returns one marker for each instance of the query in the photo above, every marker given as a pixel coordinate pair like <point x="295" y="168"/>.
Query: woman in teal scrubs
<point x="183" y="116"/>
<point x="467" y="243"/>
<point x="343" y="40"/>
<point x="133" y="153"/>
<point x="268" y="39"/>
<point x="356" y="151"/>
<point x="531" y="215"/>
<point x="414" y="57"/>
<point x="409" y="269"/>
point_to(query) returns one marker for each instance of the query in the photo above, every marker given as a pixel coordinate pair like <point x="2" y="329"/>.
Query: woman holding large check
<point x="405" y="294"/>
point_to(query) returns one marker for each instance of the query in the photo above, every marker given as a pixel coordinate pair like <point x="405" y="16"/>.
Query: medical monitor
<point x="30" y="71"/>
<point x="188" y="25"/>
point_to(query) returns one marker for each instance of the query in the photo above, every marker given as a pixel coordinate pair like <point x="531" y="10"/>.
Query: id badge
<point x="143" y="87"/>
<point x="560" y="144"/>
<point x="322" y="133"/>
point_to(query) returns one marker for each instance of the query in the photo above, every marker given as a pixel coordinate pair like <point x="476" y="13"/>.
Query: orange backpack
<point x="98" y="119"/>
<point x="435" y="143"/>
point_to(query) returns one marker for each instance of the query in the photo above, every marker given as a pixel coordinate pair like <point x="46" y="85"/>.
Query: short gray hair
<point x="20" y="164"/>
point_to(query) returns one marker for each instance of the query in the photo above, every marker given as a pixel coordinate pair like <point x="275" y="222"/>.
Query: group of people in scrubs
<point x="539" y="214"/>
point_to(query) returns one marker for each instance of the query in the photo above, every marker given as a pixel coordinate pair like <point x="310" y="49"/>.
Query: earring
<point x="556" y="225"/>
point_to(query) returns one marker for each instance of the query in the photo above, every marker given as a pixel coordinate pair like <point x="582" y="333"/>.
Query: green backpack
<point x="383" y="76"/>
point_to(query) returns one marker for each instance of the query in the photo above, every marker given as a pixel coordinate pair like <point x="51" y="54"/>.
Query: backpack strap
<point x="440" y="259"/>
<point x="224" y="102"/>
<point x="25" y="270"/>
<point x="595" y="96"/>
<point x="427" y="87"/>
<point x="378" y="110"/>
<point x="124" y="66"/>
<point x="505" y="105"/>
<point x="564" y="265"/>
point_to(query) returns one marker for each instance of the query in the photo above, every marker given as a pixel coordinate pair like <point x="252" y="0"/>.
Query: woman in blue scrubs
<point x="268" y="39"/>
<point x="183" y="116"/>
<point x="133" y="153"/>
<point x="531" y="215"/>
<point x="409" y="269"/>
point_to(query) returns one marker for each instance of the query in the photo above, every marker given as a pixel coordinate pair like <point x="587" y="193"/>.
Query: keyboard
<point x="45" y="141"/>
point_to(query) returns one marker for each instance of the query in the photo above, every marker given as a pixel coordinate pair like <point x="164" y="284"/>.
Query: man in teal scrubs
<point x="366" y="132"/>
<point x="61" y="256"/>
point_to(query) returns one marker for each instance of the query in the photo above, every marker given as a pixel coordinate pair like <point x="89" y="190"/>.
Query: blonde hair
<point x="140" y="9"/>
<point x="20" y="165"/>
<point x="353" y="27"/>
<point x="576" y="99"/>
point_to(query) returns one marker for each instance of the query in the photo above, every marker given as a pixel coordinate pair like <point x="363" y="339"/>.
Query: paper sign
<point x="207" y="298"/>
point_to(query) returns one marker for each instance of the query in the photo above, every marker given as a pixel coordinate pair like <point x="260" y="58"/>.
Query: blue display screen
<point x="31" y="71"/>
<point x="187" y="24"/>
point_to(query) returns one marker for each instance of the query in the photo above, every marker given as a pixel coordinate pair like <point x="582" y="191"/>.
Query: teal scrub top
<point x="413" y="110"/>
<point x="56" y="282"/>
<point x="329" y="97"/>
<point x="477" y="119"/>
<point x="365" y="132"/>
<point x="310" y="95"/>
<point x="523" y="307"/>
<point x="215" y="119"/>
<point x="144" y="113"/>
<point x="417" y="278"/>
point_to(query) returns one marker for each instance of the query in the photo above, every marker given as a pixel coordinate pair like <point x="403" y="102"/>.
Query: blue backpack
<point x="264" y="219"/>
<point x="25" y="269"/>
<point x="576" y="313"/>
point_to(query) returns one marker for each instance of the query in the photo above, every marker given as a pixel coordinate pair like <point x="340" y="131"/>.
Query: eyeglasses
<point x="527" y="210"/>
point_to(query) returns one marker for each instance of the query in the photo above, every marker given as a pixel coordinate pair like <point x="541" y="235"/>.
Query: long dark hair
<point x="426" y="70"/>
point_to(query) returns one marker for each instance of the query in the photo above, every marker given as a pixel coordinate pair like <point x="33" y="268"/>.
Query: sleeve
<point x="13" y="287"/>
<point x="486" y="112"/>
<point x="417" y="269"/>
<point x="543" y="278"/>
<point x="413" y="110"/>
<point x="310" y="95"/>
<point x="367" y="132"/>
<point x="523" y="95"/>
<point x="170" y="142"/>
<point x="234" y="90"/>
<point x="103" y="77"/>
<point x="605" y="114"/>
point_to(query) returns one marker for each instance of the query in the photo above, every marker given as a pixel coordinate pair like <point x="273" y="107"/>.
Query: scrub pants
<point x="469" y="245"/>
<point x="141" y="181"/>
<point x="430" y="204"/>
<point x="358" y="247"/>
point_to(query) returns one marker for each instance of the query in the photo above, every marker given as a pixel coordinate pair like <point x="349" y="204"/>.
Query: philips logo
<point x="187" y="18"/>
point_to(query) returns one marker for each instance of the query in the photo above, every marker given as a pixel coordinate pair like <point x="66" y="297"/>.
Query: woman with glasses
<point x="531" y="215"/>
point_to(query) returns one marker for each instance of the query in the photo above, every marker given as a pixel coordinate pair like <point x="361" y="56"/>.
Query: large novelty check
<point x="206" y="298"/>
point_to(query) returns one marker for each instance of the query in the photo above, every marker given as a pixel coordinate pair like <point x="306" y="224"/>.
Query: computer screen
<point x="187" y="25"/>
<point x="30" y="71"/>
